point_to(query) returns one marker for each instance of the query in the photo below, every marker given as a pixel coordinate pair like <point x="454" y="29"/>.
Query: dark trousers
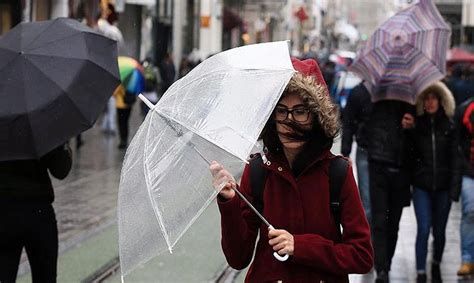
<point x="432" y="211"/>
<point x="34" y="228"/>
<point x="123" y="118"/>
<point x="387" y="201"/>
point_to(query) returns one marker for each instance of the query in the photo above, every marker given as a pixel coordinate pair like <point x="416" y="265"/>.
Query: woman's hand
<point x="281" y="241"/>
<point x="222" y="177"/>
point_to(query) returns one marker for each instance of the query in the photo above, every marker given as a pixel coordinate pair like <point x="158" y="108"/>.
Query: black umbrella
<point x="55" y="78"/>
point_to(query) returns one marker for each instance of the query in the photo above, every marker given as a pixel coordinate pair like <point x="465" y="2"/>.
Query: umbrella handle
<point x="279" y="257"/>
<point x="275" y="254"/>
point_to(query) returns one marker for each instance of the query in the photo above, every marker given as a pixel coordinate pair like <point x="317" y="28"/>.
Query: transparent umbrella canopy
<point x="216" y="112"/>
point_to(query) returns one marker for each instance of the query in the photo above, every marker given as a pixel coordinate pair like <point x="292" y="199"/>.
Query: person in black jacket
<point x="461" y="83"/>
<point x="388" y="177"/>
<point x="433" y="156"/>
<point x="464" y="121"/>
<point x="354" y="122"/>
<point x="27" y="217"/>
<point x="167" y="72"/>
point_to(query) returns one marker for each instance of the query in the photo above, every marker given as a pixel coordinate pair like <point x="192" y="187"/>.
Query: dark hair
<point x="316" y="140"/>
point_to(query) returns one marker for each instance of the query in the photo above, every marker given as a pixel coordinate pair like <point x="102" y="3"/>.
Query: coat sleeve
<point x="59" y="161"/>
<point x="349" y="123"/>
<point x="354" y="254"/>
<point x="239" y="225"/>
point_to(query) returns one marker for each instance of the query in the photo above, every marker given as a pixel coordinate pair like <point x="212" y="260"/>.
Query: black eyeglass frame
<point x="291" y="110"/>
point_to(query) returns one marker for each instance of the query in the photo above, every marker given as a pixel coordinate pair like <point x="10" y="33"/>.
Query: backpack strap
<point x="258" y="176"/>
<point x="337" y="175"/>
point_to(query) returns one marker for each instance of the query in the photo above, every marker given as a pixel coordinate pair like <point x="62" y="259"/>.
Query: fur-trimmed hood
<point x="308" y="82"/>
<point x="445" y="96"/>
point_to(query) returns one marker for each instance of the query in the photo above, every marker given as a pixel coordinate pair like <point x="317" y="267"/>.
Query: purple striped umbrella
<point x="405" y="54"/>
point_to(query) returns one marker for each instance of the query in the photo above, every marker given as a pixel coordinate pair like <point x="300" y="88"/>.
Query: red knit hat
<point x="309" y="67"/>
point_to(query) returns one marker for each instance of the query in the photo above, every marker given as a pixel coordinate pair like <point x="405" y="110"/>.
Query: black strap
<point x="258" y="175"/>
<point x="337" y="174"/>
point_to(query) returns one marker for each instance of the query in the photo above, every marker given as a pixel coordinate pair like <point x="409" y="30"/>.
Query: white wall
<point x="468" y="13"/>
<point x="210" y="38"/>
<point x="59" y="8"/>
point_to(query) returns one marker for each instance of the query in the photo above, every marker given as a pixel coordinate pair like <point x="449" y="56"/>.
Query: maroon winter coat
<point x="300" y="206"/>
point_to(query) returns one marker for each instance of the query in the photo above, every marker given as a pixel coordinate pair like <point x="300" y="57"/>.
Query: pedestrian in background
<point x="388" y="177"/>
<point x="27" y="218"/>
<point x="123" y="102"/>
<point x="185" y="66"/>
<point x="433" y="155"/>
<point x="151" y="86"/>
<point x="461" y="82"/>
<point x="107" y="25"/>
<point x="354" y="123"/>
<point x="167" y="72"/>
<point x="299" y="136"/>
<point x="464" y="121"/>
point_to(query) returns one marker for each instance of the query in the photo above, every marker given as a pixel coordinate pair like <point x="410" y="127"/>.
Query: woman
<point x="298" y="137"/>
<point x="432" y="153"/>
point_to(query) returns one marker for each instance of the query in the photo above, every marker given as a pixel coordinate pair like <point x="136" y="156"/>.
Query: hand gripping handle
<point x="275" y="254"/>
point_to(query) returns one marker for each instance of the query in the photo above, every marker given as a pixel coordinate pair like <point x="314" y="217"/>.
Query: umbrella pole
<point x="146" y="101"/>
<point x="265" y="221"/>
<point x="270" y="227"/>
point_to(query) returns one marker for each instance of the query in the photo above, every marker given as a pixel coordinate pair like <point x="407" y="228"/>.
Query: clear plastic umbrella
<point x="216" y="112"/>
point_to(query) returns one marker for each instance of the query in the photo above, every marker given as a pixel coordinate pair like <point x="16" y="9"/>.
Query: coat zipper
<point x="433" y="141"/>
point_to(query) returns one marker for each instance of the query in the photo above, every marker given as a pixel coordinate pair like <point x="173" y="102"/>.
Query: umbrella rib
<point x="41" y="33"/>
<point x="196" y="133"/>
<point x="206" y="204"/>
<point x="9" y="50"/>
<point x="79" y="33"/>
<point x="155" y="209"/>
<point x="29" y="123"/>
<point x="423" y="54"/>
<point x="60" y="87"/>
<point x="70" y="58"/>
<point x="200" y="77"/>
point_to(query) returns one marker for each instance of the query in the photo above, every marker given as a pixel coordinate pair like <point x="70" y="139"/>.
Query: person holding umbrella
<point x="397" y="63"/>
<point x="298" y="136"/>
<point x="50" y="93"/>
<point x="27" y="218"/>
<point x="354" y="124"/>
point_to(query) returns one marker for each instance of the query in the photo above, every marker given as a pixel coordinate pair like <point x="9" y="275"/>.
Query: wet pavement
<point x="86" y="213"/>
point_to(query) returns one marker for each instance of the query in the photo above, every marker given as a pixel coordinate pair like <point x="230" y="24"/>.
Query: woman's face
<point x="431" y="103"/>
<point x="292" y="108"/>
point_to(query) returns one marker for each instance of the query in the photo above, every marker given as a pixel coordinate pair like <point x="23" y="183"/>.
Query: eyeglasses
<point x="298" y="114"/>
